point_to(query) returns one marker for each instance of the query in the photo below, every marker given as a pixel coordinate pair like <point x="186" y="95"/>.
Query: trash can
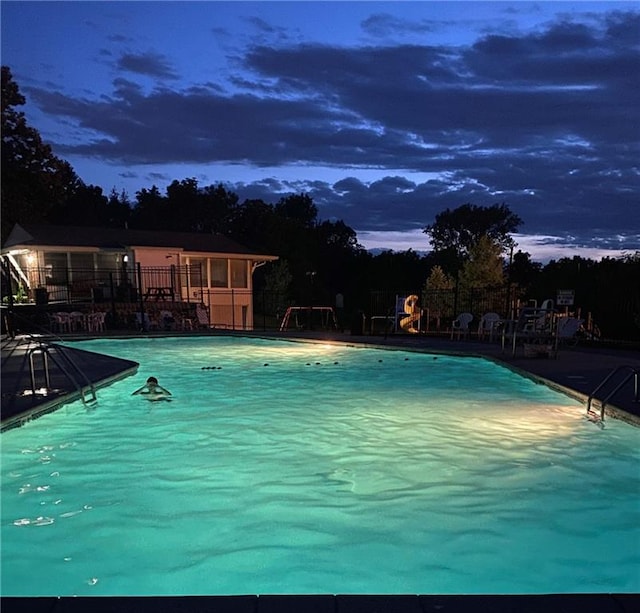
<point x="41" y="295"/>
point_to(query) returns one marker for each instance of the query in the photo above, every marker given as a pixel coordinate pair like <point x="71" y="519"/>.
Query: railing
<point x="63" y="364"/>
<point x="633" y="372"/>
<point x="116" y="284"/>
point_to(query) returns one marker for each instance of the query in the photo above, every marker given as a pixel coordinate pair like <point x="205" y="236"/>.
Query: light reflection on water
<point x="286" y="467"/>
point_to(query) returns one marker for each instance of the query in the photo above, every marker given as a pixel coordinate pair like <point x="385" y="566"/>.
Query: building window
<point x="82" y="266"/>
<point x="197" y="272"/>
<point x="239" y="273"/>
<point x="55" y="265"/>
<point x="219" y="275"/>
<point x="107" y="262"/>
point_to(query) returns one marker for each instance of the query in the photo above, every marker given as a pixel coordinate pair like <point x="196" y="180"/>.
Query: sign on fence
<point x="565" y="297"/>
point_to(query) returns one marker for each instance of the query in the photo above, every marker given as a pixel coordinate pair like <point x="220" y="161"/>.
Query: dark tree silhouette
<point x="455" y="232"/>
<point x="33" y="179"/>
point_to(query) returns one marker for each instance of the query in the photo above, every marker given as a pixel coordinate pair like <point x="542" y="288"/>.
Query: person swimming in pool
<point x="153" y="390"/>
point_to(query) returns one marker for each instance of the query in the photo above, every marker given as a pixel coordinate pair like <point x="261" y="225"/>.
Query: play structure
<point x="408" y="312"/>
<point x="309" y="317"/>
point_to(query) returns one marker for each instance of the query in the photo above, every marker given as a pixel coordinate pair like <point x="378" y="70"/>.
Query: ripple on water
<point x="243" y="475"/>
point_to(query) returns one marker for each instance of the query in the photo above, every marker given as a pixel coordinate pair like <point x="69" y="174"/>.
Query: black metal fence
<point x="439" y="307"/>
<point x="615" y="319"/>
<point x="603" y="318"/>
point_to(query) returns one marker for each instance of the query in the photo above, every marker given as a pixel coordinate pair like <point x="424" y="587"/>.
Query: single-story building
<point x="52" y="263"/>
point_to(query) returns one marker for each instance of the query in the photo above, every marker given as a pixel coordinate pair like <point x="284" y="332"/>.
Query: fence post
<point x="455" y="296"/>
<point x="68" y="284"/>
<point x="140" y="295"/>
<point x="114" y="313"/>
<point x="233" y="310"/>
<point x="187" y="273"/>
<point x="6" y="271"/>
<point x="172" y="274"/>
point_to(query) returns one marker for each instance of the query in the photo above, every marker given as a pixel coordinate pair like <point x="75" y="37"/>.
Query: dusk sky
<point x="385" y="113"/>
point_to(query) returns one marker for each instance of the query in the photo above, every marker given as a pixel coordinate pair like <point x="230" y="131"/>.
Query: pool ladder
<point x="631" y="372"/>
<point x="66" y="365"/>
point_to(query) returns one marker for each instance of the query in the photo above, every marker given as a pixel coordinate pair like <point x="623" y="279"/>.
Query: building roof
<point x="40" y="235"/>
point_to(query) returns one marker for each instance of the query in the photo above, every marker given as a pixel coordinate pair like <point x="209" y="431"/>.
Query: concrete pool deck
<point x="576" y="370"/>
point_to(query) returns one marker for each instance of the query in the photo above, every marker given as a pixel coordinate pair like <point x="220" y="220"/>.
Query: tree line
<point x="472" y="246"/>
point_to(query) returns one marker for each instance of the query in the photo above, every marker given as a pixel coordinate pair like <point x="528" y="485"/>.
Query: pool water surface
<point x="305" y="468"/>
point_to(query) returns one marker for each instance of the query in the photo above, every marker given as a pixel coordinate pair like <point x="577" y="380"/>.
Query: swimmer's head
<point x="152" y="381"/>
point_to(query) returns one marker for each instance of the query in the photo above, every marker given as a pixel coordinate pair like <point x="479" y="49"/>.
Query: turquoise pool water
<point x="299" y="468"/>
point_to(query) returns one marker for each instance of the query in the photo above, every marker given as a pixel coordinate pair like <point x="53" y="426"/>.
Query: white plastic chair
<point x="488" y="325"/>
<point x="142" y="321"/>
<point x="63" y="321"/>
<point x="95" y="321"/>
<point x="460" y="325"/>
<point x="54" y="322"/>
<point x="77" y="321"/>
<point x="167" y="320"/>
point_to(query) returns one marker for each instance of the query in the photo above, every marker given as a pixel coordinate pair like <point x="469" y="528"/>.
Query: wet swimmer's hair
<point x="152" y="380"/>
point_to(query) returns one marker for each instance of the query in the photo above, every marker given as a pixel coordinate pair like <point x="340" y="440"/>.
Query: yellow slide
<point x="413" y="314"/>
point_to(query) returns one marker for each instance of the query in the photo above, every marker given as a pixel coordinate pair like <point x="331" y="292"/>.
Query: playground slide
<point x="412" y="313"/>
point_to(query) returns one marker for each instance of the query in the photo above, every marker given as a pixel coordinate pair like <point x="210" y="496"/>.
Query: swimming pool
<point x="300" y="468"/>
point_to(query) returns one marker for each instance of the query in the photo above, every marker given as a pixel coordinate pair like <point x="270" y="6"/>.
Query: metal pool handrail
<point x="44" y="349"/>
<point x="633" y="372"/>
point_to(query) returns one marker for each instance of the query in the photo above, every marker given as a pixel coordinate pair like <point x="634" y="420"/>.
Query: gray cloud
<point x="384" y="24"/>
<point x="546" y="122"/>
<point x="149" y="64"/>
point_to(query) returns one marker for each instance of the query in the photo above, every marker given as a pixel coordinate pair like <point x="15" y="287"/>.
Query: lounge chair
<point x="546" y="315"/>
<point x="547" y="305"/>
<point x="203" y="317"/>
<point x="567" y="329"/>
<point x="460" y="325"/>
<point x="533" y="326"/>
